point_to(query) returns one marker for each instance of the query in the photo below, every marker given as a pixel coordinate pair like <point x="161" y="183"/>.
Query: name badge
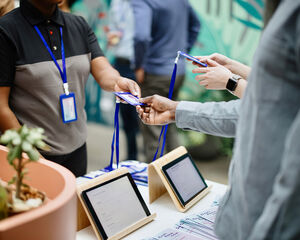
<point x="68" y="107"/>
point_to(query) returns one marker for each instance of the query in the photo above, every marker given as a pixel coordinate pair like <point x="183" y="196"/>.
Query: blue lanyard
<point x="62" y="72"/>
<point x="115" y="136"/>
<point x="165" y="127"/>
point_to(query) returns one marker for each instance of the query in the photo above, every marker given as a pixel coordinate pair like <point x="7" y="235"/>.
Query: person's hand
<point x="127" y="85"/>
<point x="214" y="76"/>
<point x="159" y="110"/>
<point x="217" y="57"/>
<point x="140" y="75"/>
<point x="234" y="66"/>
<point x="113" y="37"/>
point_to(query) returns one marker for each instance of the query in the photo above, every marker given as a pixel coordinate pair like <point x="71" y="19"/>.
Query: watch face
<point x="231" y="84"/>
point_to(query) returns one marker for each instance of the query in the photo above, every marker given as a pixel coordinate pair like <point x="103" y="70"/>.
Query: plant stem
<point x="19" y="179"/>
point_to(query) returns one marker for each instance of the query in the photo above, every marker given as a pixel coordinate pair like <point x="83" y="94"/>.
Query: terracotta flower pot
<point x="57" y="218"/>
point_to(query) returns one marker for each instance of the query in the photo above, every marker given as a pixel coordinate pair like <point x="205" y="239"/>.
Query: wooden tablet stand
<point x="158" y="184"/>
<point x="84" y="216"/>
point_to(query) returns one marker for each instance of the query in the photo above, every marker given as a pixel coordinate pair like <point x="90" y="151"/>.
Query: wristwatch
<point x="232" y="83"/>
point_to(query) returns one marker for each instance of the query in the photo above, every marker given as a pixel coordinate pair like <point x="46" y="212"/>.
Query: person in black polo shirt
<point x="46" y="56"/>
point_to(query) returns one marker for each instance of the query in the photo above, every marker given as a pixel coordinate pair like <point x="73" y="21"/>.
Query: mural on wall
<point x="230" y="27"/>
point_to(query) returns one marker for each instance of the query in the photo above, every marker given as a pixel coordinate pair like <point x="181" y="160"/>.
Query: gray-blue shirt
<point x="163" y="27"/>
<point x="263" y="198"/>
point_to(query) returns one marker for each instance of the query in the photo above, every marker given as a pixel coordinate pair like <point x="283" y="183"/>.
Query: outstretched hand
<point x="127" y="85"/>
<point x="158" y="110"/>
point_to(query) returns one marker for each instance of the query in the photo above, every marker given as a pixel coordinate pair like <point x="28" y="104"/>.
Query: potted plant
<point x="23" y="170"/>
<point x="21" y="197"/>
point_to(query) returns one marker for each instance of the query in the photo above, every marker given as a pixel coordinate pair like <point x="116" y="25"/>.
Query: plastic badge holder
<point x="192" y="58"/>
<point x="129" y="98"/>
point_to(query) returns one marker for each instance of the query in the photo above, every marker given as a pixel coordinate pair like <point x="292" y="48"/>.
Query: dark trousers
<point x="128" y="112"/>
<point x="75" y="161"/>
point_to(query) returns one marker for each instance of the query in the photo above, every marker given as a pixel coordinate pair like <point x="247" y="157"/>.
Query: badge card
<point x="129" y="98"/>
<point x="68" y="107"/>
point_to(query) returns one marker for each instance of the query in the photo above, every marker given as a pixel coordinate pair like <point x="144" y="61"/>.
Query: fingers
<point x="201" y="77"/>
<point x="212" y="63"/>
<point x="144" y="114"/>
<point x="204" y="83"/>
<point x="147" y="100"/>
<point x="120" y="100"/>
<point x="135" y="89"/>
<point x="201" y="70"/>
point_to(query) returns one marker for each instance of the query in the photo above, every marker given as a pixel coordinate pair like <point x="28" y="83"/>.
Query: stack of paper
<point x="194" y="227"/>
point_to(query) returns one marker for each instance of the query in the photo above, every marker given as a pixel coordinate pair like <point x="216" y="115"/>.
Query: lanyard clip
<point x="66" y="88"/>
<point x="177" y="58"/>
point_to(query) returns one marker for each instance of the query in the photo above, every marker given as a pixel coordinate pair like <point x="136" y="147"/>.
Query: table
<point x="167" y="214"/>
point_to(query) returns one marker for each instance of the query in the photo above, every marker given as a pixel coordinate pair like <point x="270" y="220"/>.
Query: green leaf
<point x="24" y="130"/>
<point x="14" y="153"/>
<point x="16" y="141"/>
<point x="8" y="136"/>
<point x="40" y="144"/>
<point x="12" y="181"/>
<point x="3" y="203"/>
<point x="250" y="9"/>
<point x="33" y="155"/>
<point x="26" y="146"/>
<point x="248" y="23"/>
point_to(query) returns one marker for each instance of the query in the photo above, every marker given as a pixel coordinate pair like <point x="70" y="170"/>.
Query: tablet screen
<point x="115" y="205"/>
<point x="184" y="178"/>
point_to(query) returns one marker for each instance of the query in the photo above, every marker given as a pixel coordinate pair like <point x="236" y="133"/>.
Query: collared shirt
<point x="121" y="19"/>
<point x="36" y="85"/>
<point x="161" y="29"/>
<point x="264" y="177"/>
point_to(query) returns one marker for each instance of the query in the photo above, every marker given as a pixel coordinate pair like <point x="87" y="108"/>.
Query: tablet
<point x="115" y="205"/>
<point x="184" y="178"/>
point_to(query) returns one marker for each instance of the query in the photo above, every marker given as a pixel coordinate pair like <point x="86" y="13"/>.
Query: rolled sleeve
<point x="214" y="118"/>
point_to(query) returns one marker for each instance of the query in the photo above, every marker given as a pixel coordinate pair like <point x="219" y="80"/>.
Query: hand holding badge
<point x="129" y="98"/>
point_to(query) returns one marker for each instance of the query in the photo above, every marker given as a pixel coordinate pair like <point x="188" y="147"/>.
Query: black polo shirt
<point x="36" y="85"/>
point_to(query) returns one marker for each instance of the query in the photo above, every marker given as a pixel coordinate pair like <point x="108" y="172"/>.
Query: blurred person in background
<point x="263" y="197"/>
<point x="6" y="6"/>
<point x="120" y="39"/>
<point x="161" y="29"/>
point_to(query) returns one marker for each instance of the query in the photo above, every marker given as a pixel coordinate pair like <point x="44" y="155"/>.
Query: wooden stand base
<point x="84" y="219"/>
<point x="158" y="183"/>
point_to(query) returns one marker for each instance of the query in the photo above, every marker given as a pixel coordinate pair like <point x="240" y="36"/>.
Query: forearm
<point x="105" y="75"/>
<point x="240" y="89"/>
<point x="239" y="69"/>
<point x="214" y="118"/>
<point x="8" y="120"/>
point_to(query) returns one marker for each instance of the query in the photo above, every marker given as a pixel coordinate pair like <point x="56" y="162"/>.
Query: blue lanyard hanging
<point x="62" y="71"/>
<point x="165" y="127"/>
<point x="115" y="136"/>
